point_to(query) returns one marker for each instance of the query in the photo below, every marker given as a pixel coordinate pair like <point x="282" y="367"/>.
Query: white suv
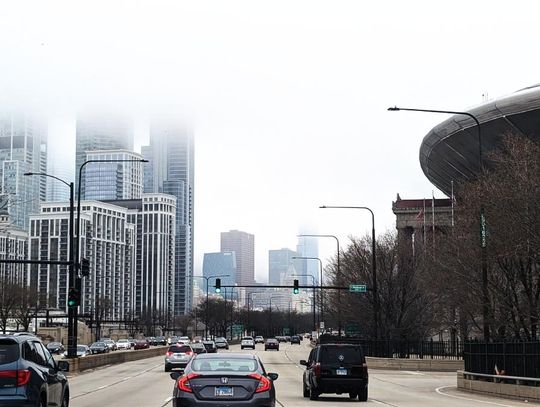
<point x="247" y="342"/>
<point x="123" y="344"/>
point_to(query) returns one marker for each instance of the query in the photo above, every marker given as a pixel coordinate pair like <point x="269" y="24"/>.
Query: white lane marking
<point x="439" y="391"/>
<point x="414" y="373"/>
<point x="167" y="401"/>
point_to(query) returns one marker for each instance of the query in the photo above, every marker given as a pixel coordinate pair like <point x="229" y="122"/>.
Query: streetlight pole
<point x="483" y="240"/>
<point x="248" y="319"/>
<point x="338" y="276"/>
<point x="206" y="317"/>
<point x="321" y="307"/>
<point x="313" y="302"/>
<point x="72" y="311"/>
<point x="373" y="264"/>
<point x="77" y="248"/>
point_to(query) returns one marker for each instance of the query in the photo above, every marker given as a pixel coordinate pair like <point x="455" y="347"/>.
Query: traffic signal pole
<point x="72" y="310"/>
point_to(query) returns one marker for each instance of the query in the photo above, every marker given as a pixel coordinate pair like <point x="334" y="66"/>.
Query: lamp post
<point x="483" y="240"/>
<point x="72" y="311"/>
<point x="373" y="264"/>
<point x="248" y="320"/>
<point x="206" y="317"/>
<point x="338" y="276"/>
<point x="321" y="307"/>
<point x="313" y="302"/>
<point x="77" y="248"/>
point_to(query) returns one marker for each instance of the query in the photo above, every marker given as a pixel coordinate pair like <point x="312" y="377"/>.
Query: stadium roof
<point x="450" y="151"/>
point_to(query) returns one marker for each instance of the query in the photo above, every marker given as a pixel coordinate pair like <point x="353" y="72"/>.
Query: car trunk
<point x="224" y="387"/>
<point x="9" y="356"/>
<point x="343" y="361"/>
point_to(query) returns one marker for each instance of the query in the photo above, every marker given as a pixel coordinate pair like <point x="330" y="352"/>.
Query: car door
<point x="309" y="368"/>
<point x="53" y="377"/>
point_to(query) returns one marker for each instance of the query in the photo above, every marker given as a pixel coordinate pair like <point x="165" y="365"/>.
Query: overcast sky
<point x="287" y="99"/>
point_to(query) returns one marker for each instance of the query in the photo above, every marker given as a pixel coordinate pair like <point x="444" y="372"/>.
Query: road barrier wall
<point x="113" y="358"/>
<point x="498" y="387"/>
<point x="435" y="365"/>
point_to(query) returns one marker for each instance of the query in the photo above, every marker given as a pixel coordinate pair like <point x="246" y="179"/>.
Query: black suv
<point x="336" y="368"/>
<point x="29" y="376"/>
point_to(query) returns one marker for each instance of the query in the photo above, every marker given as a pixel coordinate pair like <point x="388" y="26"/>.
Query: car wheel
<point x="352" y="396"/>
<point x="363" y="395"/>
<point x="313" y="394"/>
<point x="306" y="391"/>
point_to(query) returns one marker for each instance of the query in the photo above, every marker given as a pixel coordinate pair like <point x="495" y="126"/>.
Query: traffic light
<point x="296" y="289"/>
<point x="74" y="297"/>
<point x="218" y="285"/>
<point x="85" y="267"/>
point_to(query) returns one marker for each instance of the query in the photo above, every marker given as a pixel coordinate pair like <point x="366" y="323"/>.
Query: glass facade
<point x="221" y="263"/>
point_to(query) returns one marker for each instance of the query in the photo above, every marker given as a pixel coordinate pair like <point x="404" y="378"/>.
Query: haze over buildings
<point x="243" y="245"/>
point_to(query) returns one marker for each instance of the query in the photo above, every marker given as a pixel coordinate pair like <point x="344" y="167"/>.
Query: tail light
<point x="189" y="353"/>
<point x="22" y="376"/>
<point x="183" y="382"/>
<point x="264" y="382"/>
<point x="169" y="354"/>
<point x="317" y="370"/>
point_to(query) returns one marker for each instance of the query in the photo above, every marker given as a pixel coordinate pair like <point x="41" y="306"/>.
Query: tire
<point x="352" y="396"/>
<point x="363" y="395"/>
<point x="65" y="401"/>
<point x="313" y="394"/>
<point x="306" y="391"/>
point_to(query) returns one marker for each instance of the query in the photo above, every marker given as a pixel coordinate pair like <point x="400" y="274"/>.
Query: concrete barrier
<point x="496" y="387"/>
<point x="112" y="358"/>
<point x="435" y="365"/>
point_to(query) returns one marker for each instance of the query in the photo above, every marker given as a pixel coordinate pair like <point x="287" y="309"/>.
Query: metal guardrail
<point x="498" y="378"/>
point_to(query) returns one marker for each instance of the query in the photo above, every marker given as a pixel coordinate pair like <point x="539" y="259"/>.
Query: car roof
<point x="19" y="338"/>
<point x="231" y="355"/>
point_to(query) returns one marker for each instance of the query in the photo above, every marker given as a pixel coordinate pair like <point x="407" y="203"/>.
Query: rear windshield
<point x="345" y="354"/>
<point x="224" y="365"/>
<point x="9" y="351"/>
<point x="179" y="349"/>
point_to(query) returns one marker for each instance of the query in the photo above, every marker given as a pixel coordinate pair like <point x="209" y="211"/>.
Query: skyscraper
<point x="280" y="265"/>
<point x="23" y="148"/>
<point x="113" y="180"/>
<point x="219" y="264"/>
<point x="100" y="133"/>
<point x="171" y="171"/>
<point x="243" y="245"/>
<point x="308" y="247"/>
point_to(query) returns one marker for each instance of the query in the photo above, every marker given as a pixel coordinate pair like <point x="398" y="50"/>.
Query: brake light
<point x="317" y="370"/>
<point x="264" y="382"/>
<point x="169" y="353"/>
<point x="365" y="369"/>
<point x="183" y="382"/>
<point x="22" y="376"/>
<point x="189" y="353"/>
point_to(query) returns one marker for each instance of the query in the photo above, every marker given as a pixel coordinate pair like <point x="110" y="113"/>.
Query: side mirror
<point x="303" y="363"/>
<point x="175" y="375"/>
<point x="273" y="376"/>
<point x="63" y="365"/>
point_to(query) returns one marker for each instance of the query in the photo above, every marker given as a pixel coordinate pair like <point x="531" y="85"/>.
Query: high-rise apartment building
<point x="170" y="170"/>
<point x="243" y="245"/>
<point x="100" y="133"/>
<point x="113" y="180"/>
<point x="23" y="148"/>
<point x="280" y="265"/>
<point x="14" y="246"/>
<point x="308" y="247"/>
<point x="220" y="264"/>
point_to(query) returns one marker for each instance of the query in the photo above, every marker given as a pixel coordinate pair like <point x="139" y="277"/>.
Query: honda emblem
<point x="224" y="380"/>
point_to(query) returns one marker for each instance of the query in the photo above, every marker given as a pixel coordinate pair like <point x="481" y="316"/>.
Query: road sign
<point x="357" y="288"/>
<point x="352" y="328"/>
<point x="237" y="329"/>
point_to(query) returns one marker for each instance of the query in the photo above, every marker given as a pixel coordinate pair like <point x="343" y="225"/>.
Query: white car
<point x="247" y="342"/>
<point x="123" y="344"/>
<point x="184" y="339"/>
<point x="259" y="339"/>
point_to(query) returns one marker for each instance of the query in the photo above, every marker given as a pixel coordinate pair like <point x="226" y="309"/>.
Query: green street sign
<point x="357" y="288"/>
<point x="352" y="329"/>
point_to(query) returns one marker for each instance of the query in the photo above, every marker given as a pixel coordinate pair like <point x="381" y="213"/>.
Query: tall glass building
<point x="171" y="171"/>
<point x="218" y="264"/>
<point x="100" y="133"/>
<point x="281" y="265"/>
<point x="243" y="244"/>
<point x="23" y="148"/>
<point x="113" y="180"/>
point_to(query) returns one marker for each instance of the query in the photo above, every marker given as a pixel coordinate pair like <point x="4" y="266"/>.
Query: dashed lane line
<point x="440" y="391"/>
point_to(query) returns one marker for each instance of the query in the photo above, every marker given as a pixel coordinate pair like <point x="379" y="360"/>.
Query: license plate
<point x="341" y="372"/>
<point x="224" y="391"/>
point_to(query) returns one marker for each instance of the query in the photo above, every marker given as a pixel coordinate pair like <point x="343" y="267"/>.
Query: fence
<point x="413" y="349"/>
<point x="514" y="358"/>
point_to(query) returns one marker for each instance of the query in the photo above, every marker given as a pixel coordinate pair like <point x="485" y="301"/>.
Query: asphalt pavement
<point x="145" y="383"/>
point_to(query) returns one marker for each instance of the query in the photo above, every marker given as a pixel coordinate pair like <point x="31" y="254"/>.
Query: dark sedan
<point x="271" y="343"/>
<point x="210" y="346"/>
<point x="141" y="344"/>
<point x="295" y="339"/>
<point x="224" y="379"/>
<point x="198" y="348"/>
<point x="55" y="348"/>
<point x="99" y="347"/>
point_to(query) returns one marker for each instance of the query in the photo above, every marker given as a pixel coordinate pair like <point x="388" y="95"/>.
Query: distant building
<point x="14" y="246"/>
<point x="308" y="247"/>
<point x="57" y="191"/>
<point x="219" y="264"/>
<point x="170" y="170"/>
<point x="113" y="180"/>
<point x="280" y="265"/>
<point x="96" y="132"/>
<point x="243" y="245"/>
<point x="23" y="148"/>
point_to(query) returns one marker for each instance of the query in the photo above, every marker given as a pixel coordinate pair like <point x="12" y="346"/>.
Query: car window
<point x="346" y="354"/>
<point x="33" y="354"/>
<point x="9" y="351"/>
<point x="46" y="355"/>
<point x="311" y="355"/>
<point x="179" y="348"/>
<point x="224" y="365"/>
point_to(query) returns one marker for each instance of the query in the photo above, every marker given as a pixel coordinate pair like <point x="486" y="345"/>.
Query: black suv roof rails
<point x="328" y="339"/>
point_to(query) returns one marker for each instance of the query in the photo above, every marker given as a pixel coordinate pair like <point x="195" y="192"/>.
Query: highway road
<point x="144" y="383"/>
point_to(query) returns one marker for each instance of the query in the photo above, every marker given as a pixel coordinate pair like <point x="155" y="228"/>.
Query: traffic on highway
<point x="333" y="373"/>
